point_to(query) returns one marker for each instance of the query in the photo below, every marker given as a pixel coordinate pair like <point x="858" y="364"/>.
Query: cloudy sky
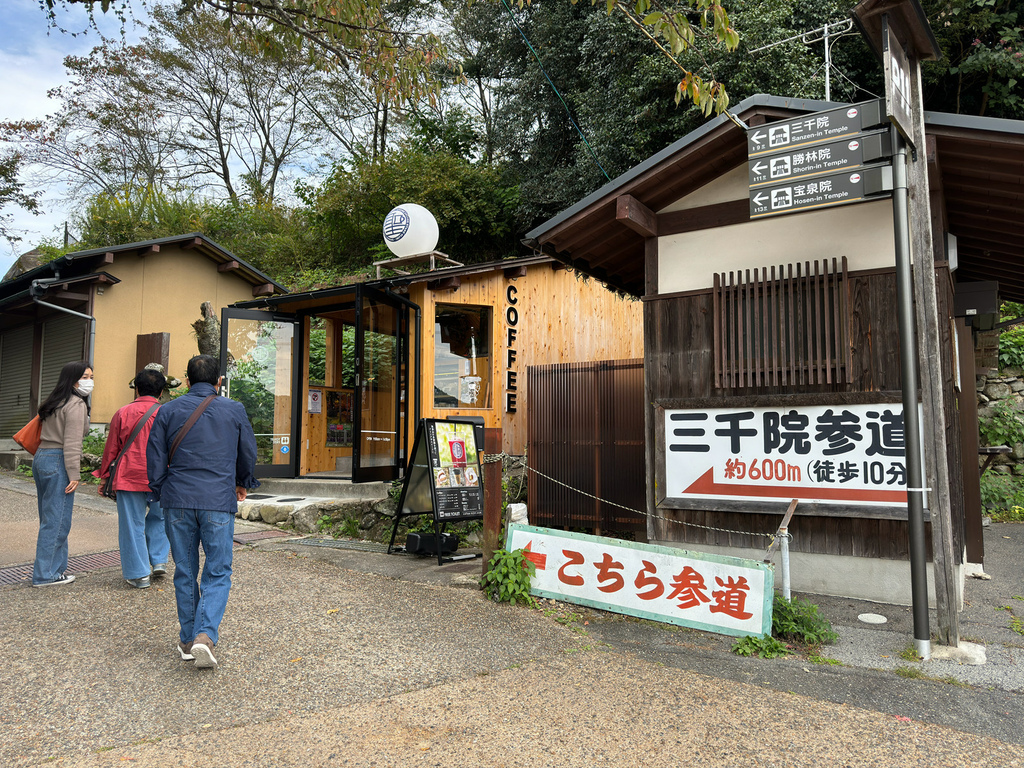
<point x="31" y="60"/>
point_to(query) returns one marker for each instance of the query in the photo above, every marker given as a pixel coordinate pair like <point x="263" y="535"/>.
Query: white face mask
<point x="85" y="386"/>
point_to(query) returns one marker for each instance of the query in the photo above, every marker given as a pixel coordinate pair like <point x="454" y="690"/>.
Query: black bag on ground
<point x="426" y="543"/>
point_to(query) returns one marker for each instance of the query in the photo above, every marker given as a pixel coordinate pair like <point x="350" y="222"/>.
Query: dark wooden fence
<point x="586" y="430"/>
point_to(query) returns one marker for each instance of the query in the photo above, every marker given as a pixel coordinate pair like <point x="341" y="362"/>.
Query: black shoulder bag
<point x="188" y="425"/>
<point x="108" y="486"/>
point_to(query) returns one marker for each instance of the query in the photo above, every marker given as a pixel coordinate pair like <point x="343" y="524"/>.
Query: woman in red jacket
<point x="140" y="533"/>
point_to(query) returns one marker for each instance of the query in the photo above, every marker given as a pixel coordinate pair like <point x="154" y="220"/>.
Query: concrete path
<point x="331" y="657"/>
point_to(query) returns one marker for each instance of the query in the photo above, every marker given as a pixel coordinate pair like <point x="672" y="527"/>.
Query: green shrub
<point x="94" y="444"/>
<point x="1011" y="341"/>
<point x="798" y="621"/>
<point x="508" y="577"/>
<point x="1004" y="425"/>
<point x="1014" y="514"/>
<point x="1000" y="494"/>
<point x="765" y="647"/>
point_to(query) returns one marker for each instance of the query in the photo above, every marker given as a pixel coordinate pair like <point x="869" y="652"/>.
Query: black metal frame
<point x="228" y="313"/>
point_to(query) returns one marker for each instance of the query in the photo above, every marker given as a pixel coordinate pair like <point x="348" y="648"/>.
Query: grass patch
<point x="1014" y="514"/>
<point x="910" y="673"/>
<point x="910" y="654"/>
<point x="798" y="621"/>
<point x="815" y="659"/>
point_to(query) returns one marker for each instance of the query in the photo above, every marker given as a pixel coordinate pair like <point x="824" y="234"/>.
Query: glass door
<point x="381" y="401"/>
<point x="257" y="360"/>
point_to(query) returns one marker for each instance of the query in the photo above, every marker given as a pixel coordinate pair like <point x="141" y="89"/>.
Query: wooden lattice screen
<point x="783" y="330"/>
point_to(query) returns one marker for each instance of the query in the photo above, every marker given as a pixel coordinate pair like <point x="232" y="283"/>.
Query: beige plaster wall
<point x="158" y="293"/>
<point x="862" y="232"/>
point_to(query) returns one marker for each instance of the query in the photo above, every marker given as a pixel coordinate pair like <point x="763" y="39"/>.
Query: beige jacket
<point x="65" y="428"/>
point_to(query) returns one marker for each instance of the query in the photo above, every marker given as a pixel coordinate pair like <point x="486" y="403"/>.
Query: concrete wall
<point x="688" y="261"/>
<point x="158" y="293"/>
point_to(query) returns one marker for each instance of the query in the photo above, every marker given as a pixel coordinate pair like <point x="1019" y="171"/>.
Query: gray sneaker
<point x="142" y="583"/>
<point x="202" y="651"/>
<point x="64" y="578"/>
<point x="160" y="569"/>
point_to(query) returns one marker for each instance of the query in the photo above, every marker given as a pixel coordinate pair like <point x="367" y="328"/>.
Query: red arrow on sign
<point x="539" y="560"/>
<point x="705" y="484"/>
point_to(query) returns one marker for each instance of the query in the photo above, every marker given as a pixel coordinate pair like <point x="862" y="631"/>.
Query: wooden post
<point x="932" y="386"/>
<point x="492" y="495"/>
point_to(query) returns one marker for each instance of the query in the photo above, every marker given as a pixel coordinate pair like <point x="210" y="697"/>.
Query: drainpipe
<point x="90" y="318"/>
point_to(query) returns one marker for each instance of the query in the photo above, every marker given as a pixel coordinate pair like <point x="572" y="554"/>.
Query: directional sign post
<point x="822" y="159"/>
<point x="819" y="160"/>
<point x="821" y="192"/>
<point x="815" y="128"/>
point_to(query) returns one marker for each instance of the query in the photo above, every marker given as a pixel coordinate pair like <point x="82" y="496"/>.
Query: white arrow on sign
<point x="758" y="200"/>
<point x="759" y="167"/>
<point x="759" y="137"/>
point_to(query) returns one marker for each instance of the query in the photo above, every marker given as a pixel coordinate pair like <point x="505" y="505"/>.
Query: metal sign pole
<point x="911" y="425"/>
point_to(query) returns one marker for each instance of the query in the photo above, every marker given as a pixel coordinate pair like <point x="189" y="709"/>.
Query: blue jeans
<point x="54" y="515"/>
<point x="141" y="537"/>
<point x="201" y="605"/>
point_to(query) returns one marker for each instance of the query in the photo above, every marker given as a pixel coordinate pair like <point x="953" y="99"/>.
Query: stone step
<point x="312" y="487"/>
<point x="10" y="460"/>
<point x="301" y="502"/>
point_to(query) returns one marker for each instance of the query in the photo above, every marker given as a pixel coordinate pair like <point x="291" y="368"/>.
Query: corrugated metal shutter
<point x="15" y="379"/>
<point x="63" y="342"/>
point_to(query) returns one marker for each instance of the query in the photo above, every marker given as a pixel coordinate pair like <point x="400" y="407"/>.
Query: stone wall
<point x="992" y="389"/>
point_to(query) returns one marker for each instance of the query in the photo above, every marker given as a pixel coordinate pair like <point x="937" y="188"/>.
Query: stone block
<point x="275" y="513"/>
<point x="998" y="391"/>
<point x="386" y="507"/>
<point x="305" y="519"/>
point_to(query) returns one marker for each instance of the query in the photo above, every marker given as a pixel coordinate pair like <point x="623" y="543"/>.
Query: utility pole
<point x="834" y="30"/>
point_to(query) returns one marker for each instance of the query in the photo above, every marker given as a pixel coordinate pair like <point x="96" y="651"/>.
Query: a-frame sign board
<point x="444" y="478"/>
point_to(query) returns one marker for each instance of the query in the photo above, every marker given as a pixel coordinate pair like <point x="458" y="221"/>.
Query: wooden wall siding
<point x="782" y="328"/>
<point x="319" y="457"/>
<point x="855" y="537"/>
<point x="586" y="430"/>
<point x="561" y="319"/>
<point x="679" y="339"/>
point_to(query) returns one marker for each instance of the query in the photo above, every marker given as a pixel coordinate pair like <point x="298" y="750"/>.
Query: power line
<point x="555" y="89"/>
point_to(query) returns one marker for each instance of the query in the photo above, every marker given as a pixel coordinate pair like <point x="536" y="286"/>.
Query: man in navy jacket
<point x="199" y="490"/>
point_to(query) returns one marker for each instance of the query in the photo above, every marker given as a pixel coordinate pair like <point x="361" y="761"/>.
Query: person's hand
<point x="71" y="486"/>
<point x="99" y="489"/>
<point x="240" y="493"/>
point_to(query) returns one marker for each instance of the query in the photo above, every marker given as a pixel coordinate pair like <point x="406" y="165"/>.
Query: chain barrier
<point x="513" y="460"/>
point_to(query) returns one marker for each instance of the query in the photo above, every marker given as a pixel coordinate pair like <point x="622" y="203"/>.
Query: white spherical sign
<point x="410" y="229"/>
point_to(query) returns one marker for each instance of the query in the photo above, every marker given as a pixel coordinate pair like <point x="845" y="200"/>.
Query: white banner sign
<point x="848" y="454"/>
<point x="721" y="594"/>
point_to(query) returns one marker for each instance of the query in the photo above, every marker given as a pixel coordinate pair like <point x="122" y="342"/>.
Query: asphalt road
<point x="333" y="657"/>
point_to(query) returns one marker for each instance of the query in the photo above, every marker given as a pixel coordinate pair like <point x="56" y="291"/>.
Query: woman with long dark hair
<point x="56" y="469"/>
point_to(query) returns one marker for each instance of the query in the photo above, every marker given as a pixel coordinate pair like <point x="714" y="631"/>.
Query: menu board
<point x="455" y="470"/>
<point x="443" y="478"/>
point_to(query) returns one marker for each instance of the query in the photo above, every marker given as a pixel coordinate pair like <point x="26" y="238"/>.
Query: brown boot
<point x="202" y="652"/>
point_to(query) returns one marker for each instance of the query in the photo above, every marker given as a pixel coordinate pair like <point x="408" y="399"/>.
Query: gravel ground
<point x="328" y="666"/>
<point x="339" y="658"/>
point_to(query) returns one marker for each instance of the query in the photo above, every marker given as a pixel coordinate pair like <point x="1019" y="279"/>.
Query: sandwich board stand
<point x="444" y="480"/>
